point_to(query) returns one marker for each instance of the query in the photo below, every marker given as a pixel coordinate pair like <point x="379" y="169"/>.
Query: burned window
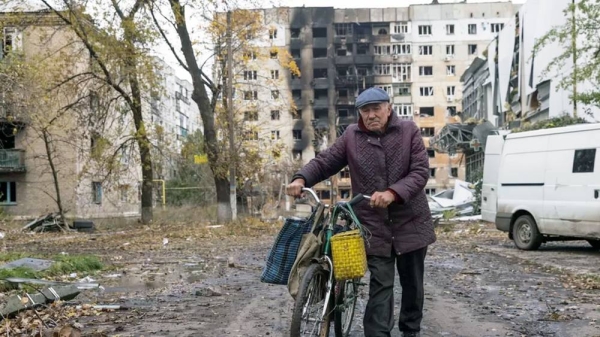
<point x="431" y="153"/>
<point x="296" y="53"/>
<point x="324" y="194"/>
<point x="344" y="113"/>
<point x="362" y="49"/>
<point x="344" y="193"/>
<point x="320" y="73"/>
<point x="343" y="93"/>
<point x="273" y="53"/>
<point x="294" y="33"/>
<point x="454" y="172"/>
<point x="583" y="161"/>
<point x="432" y="173"/>
<point x="382" y="31"/>
<point x="343" y="29"/>
<point x="274" y="94"/>
<point x="320" y="93"/>
<point x="297" y="94"/>
<point x="426" y="111"/>
<point x="321" y="113"/>
<point x="343" y="70"/>
<point x="362" y="71"/>
<point x="297" y="134"/>
<point x="319" y="32"/>
<point x="319" y="52"/>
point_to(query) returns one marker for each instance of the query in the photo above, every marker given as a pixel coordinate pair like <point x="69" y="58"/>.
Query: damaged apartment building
<point x="27" y="185"/>
<point x="416" y="53"/>
<point x="507" y="86"/>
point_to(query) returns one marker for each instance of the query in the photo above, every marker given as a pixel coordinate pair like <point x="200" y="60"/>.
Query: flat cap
<point x="370" y="96"/>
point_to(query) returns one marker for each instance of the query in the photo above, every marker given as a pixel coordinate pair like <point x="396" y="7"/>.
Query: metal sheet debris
<point x="35" y="264"/>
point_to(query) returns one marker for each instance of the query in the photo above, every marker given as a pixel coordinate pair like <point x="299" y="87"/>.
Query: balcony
<point x="381" y="38"/>
<point x="364" y="59"/>
<point x="393" y="58"/>
<point x="346" y="59"/>
<point x="12" y="160"/>
<point x="364" y="38"/>
<point x="320" y="83"/>
<point x="354" y="80"/>
<point x="321" y="102"/>
<point x="341" y="39"/>
<point x="346" y="101"/>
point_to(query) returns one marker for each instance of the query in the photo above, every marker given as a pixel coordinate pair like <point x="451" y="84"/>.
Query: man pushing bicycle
<point x="388" y="160"/>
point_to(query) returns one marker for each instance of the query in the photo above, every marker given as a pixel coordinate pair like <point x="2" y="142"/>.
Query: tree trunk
<point x="61" y="211"/>
<point x="145" y="154"/>
<point x="200" y="97"/>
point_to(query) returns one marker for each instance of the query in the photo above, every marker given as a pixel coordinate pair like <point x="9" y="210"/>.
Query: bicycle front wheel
<point x="307" y="318"/>
<point x="346" y="294"/>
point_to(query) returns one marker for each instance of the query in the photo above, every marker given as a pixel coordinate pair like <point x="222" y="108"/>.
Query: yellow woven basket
<point x="349" y="256"/>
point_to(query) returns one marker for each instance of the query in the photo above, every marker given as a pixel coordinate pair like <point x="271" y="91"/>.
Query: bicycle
<point x="334" y="298"/>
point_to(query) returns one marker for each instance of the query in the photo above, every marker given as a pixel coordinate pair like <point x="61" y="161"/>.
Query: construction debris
<point x="52" y="222"/>
<point x="35" y="264"/>
<point x="18" y="303"/>
<point x="82" y="285"/>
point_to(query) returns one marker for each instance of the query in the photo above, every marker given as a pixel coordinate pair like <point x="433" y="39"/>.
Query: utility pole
<point x="232" y="156"/>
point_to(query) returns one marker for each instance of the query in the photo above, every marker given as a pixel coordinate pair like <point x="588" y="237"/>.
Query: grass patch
<point x="63" y="265"/>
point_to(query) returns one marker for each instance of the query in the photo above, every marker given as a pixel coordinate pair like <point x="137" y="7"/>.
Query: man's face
<point x="375" y="116"/>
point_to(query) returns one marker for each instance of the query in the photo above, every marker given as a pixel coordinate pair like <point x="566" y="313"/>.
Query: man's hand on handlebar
<point x="294" y="189"/>
<point x="382" y="199"/>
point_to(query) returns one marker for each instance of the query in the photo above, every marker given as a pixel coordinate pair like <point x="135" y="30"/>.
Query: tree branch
<point x="162" y="33"/>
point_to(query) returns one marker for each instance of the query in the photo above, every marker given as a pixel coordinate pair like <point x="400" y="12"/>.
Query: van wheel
<point x="526" y="234"/>
<point x="594" y="243"/>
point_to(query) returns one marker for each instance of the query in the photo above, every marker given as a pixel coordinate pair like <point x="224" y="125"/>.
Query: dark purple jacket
<point x="396" y="160"/>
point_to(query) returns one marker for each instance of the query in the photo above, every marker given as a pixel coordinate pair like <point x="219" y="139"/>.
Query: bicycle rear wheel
<point x="346" y="295"/>
<point x="310" y="301"/>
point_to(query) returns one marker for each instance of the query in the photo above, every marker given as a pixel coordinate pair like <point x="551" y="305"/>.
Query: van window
<point x="583" y="162"/>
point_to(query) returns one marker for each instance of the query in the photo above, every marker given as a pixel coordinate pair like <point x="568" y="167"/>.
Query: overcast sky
<point x="372" y="3"/>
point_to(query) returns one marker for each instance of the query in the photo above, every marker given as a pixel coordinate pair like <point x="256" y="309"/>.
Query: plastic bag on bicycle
<point x="283" y="253"/>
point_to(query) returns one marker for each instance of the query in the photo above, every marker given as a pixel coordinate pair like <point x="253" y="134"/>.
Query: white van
<point x="544" y="185"/>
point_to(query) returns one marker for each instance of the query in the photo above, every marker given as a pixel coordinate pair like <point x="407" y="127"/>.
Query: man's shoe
<point x="411" y="334"/>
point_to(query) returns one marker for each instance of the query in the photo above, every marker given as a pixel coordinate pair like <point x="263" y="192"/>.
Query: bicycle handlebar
<point x="312" y="193"/>
<point x="358" y="198"/>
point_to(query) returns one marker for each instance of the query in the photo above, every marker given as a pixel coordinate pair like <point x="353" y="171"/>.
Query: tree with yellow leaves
<point x="211" y="94"/>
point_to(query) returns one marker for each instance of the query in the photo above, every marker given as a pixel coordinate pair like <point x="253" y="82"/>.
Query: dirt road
<point x="207" y="284"/>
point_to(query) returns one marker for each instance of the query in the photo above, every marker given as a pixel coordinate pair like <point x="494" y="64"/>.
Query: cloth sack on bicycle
<point x="283" y="253"/>
<point x="309" y="249"/>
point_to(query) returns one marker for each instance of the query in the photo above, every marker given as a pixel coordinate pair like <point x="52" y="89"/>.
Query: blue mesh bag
<point x="283" y="254"/>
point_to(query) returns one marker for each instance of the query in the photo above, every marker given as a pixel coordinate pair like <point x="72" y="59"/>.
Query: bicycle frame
<point x="340" y="209"/>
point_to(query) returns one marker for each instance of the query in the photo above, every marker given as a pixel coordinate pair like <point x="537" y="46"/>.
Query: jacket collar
<point x="393" y="122"/>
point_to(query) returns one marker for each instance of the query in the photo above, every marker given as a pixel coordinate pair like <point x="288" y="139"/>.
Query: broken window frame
<point x="382" y="49"/>
<point x="426" y="91"/>
<point x="451" y="70"/>
<point x="402" y="72"/>
<point x="382" y="69"/>
<point x="425" y="71"/>
<point x="472" y="49"/>
<point x="401" y="49"/>
<point x="275" y="115"/>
